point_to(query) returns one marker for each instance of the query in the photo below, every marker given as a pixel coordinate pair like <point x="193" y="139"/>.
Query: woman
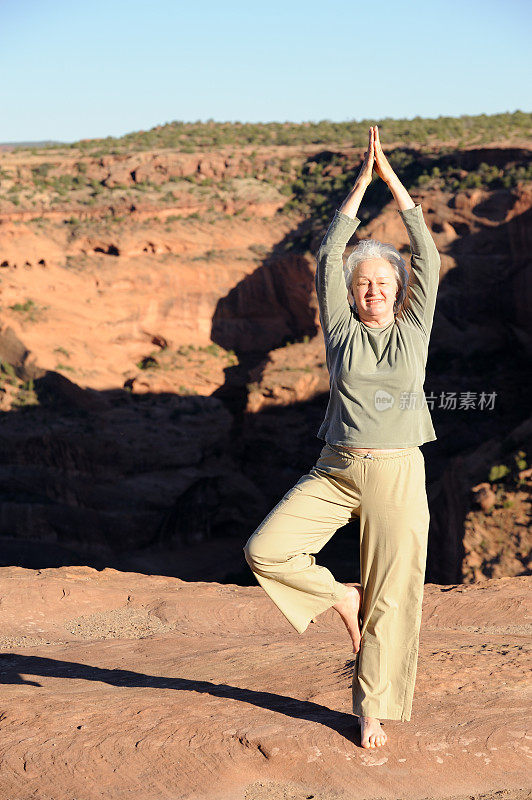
<point x="371" y="465"/>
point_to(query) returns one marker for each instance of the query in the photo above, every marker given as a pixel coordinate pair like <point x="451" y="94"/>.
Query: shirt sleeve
<point x="424" y="271"/>
<point x="331" y="288"/>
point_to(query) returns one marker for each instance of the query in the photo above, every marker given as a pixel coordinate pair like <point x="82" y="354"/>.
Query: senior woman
<point x="371" y="465"/>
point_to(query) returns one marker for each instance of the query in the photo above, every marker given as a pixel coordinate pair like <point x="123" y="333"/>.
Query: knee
<point x="247" y="552"/>
<point x="258" y="555"/>
<point x="252" y="552"/>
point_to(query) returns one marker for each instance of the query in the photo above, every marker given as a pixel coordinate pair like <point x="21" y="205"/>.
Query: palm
<point x="369" y="159"/>
<point x="380" y="168"/>
<point x="382" y="165"/>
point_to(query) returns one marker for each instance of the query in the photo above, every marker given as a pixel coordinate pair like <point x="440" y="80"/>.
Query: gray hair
<point x="372" y="248"/>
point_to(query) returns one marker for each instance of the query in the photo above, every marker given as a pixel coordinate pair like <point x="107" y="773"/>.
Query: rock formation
<point x="118" y="684"/>
<point x="162" y="365"/>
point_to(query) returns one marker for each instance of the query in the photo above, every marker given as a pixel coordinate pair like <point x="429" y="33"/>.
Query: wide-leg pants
<point x="388" y="493"/>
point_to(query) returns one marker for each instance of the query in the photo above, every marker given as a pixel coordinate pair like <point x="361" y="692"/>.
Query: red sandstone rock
<point x="115" y="684"/>
<point x="484" y="496"/>
<point x="123" y="280"/>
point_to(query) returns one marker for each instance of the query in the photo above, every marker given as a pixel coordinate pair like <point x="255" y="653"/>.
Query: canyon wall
<point x="163" y="370"/>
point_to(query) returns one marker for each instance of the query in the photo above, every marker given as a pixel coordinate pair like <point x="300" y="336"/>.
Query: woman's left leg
<point x="281" y="550"/>
<point x="394" y="522"/>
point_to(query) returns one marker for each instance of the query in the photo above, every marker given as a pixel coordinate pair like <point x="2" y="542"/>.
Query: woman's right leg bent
<point x="279" y="552"/>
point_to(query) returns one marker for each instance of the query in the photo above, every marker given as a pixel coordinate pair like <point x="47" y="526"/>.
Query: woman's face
<point x="374" y="288"/>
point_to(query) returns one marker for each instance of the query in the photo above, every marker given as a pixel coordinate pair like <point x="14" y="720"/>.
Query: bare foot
<point x="349" y="609"/>
<point x="371" y="733"/>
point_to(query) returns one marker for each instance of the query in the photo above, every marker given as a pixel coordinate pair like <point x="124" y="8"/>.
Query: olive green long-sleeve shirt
<point x="376" y="375"/>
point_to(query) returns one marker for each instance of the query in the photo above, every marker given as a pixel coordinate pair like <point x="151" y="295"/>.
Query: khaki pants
<point x="387" y="492"/>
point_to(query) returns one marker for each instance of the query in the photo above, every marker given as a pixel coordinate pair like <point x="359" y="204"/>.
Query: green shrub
<point x="29" y="305"/>
<point x="497" y="472"/>
<point x="520" y="460"/>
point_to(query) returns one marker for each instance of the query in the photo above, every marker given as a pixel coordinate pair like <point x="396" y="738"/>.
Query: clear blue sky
<point x="95" y="68"/>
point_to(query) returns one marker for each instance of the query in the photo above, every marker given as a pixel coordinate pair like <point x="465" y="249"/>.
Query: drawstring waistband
<point x="407" y="451"/>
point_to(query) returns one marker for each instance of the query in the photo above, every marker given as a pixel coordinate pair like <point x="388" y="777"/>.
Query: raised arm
<point x="424" y="270"/>
<point x="330" y="282"/>
<point x="331" y="288"/>
<point x="424" y="257"/>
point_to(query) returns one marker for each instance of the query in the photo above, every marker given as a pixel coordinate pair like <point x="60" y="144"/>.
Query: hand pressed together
<point x="374" y="159"/>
